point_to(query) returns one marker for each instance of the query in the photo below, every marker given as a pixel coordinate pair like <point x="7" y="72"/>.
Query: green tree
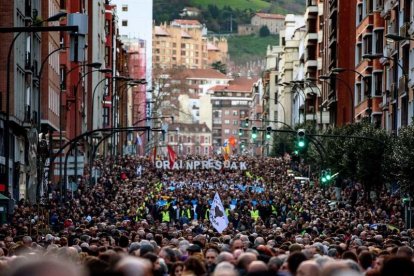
<point x="361" y="159"/>
<point x="219" y="66"/>
<point x="403" y="159"/>
<point x="264" y="31"/>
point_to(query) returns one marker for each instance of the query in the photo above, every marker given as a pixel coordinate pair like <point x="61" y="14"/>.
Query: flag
<point x="218" y="217"/>
<point x="138" y="140"/>
<point x="232" y="141"/>
<point x="226" y="150"/>
<point x="172" y="156"/>
<point x="154" y="155"/>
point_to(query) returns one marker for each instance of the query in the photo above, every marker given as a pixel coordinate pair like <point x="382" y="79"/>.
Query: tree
<point x="264" y="31"/>
<point x="402" y="158"/>
<point x="219" y="66"/>
<point x="360" y="159"/>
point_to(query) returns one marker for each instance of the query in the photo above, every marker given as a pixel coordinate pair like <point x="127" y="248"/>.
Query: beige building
<point x="274" y="22"/>
<point x="190" y="139"/>
<point x="217" y="48"/>
<point x="183" y="43"/>
<point x="247" y="29"/>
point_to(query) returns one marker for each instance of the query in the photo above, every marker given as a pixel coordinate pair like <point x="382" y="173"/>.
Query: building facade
<point x="182" y="43"/>
<point x="190" y="139"/>
<point x="231" y="105"/>
<point x="274" y="22"/>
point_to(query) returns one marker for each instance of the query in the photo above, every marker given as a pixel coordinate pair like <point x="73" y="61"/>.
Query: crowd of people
<point x="135" y="219"/>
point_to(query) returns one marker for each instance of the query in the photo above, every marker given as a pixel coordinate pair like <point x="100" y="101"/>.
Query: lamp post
<point x="42" y="146"/>
<point x="19" y="31"/>
<point x="350" y="93"/>
<point x="104" y="70"/>
<point x="297" y="85"/>
<point x="115" y="104"/>
<point x="369" y="96"/>
<point x="95" y="65"/>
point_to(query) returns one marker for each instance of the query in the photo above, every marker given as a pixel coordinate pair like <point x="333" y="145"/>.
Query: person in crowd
<point x="157" y="222"/>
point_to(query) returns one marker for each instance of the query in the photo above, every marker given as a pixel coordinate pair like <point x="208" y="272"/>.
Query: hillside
<point x="234" y="4"/>
<point x="272" y="6"/>
<point x="243" y="49"/>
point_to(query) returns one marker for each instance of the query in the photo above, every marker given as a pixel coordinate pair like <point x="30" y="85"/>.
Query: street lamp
<point x="104" y="70"/>
<point x="8" y="65"/>
<point x="340" y="70"/>
<point x="397" y="38"/>
<point x="95" y="65"/>
<point x="350" y="93"/>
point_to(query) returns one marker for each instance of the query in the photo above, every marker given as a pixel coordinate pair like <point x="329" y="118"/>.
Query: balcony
<point x="404" y="29"/>
<point x="311" y="11"/>
<point x="386" y="11"/>
<point x="309" y="39"/>
<point x="402" y="84"/>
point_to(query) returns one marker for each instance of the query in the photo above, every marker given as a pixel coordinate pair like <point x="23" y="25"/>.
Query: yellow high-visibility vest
<point x="254" y="214"/>
<point x="165" y="216"/>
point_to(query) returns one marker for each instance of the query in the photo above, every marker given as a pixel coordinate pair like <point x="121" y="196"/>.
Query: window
<point x="63" y="77"/>
<point x="124" y="23"/>
<point x="227" y="131"/>
<point x="368" y="6"/>
<point x="227" y="122"/>
<point x="367" y="42"/>
<point x="379" y="41"/>
<point x="235" y="113"/>
<point x="227" y="112"/>
<point x="358" y="54"/>
<point x="107" y="55"/>
<point x="171" y="139"/>
<point x="235" y="122"/>
<point x="63" y="4"/>
<point x="105" y="117"/>
<point x="124" y="8"/>
<point x="360" y="13"/>
<point x="378" y="84"/>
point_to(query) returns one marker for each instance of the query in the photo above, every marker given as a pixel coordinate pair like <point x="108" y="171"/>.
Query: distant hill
<point x="223" y="16"/>
<point x="243" y="49"/>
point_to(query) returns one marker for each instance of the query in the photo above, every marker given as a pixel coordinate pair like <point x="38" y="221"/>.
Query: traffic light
<point x="326" y="176"/>
<point x="246" y="122"/>
<point x="240" y="132"/>
<point x="268" y="132"/>
<point x="254" y="132"/>
<point x="301" y="138"/>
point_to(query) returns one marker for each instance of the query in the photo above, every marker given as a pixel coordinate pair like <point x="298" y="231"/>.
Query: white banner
<point x="218" y="217"/>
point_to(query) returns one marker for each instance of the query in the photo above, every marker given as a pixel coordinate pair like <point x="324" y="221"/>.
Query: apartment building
<point x="190" y="139"/>
<point x="398" y="55"/>
<point x="20" y="116"/>
<point x="338" y="51"/>
<point x="231" y="105"/>
<point x="180" y="43"/>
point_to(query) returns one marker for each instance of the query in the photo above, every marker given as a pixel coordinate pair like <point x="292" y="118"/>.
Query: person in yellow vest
<point x="254" y="213"/>
<point x="165" y="215"/>
<point x="140" y="213"/>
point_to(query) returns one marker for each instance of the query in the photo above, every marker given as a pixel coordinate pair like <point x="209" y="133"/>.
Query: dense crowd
<point x="135" y="219"/>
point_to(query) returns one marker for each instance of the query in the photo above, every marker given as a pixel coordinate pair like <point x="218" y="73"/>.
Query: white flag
<point x="218" y="217"/>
